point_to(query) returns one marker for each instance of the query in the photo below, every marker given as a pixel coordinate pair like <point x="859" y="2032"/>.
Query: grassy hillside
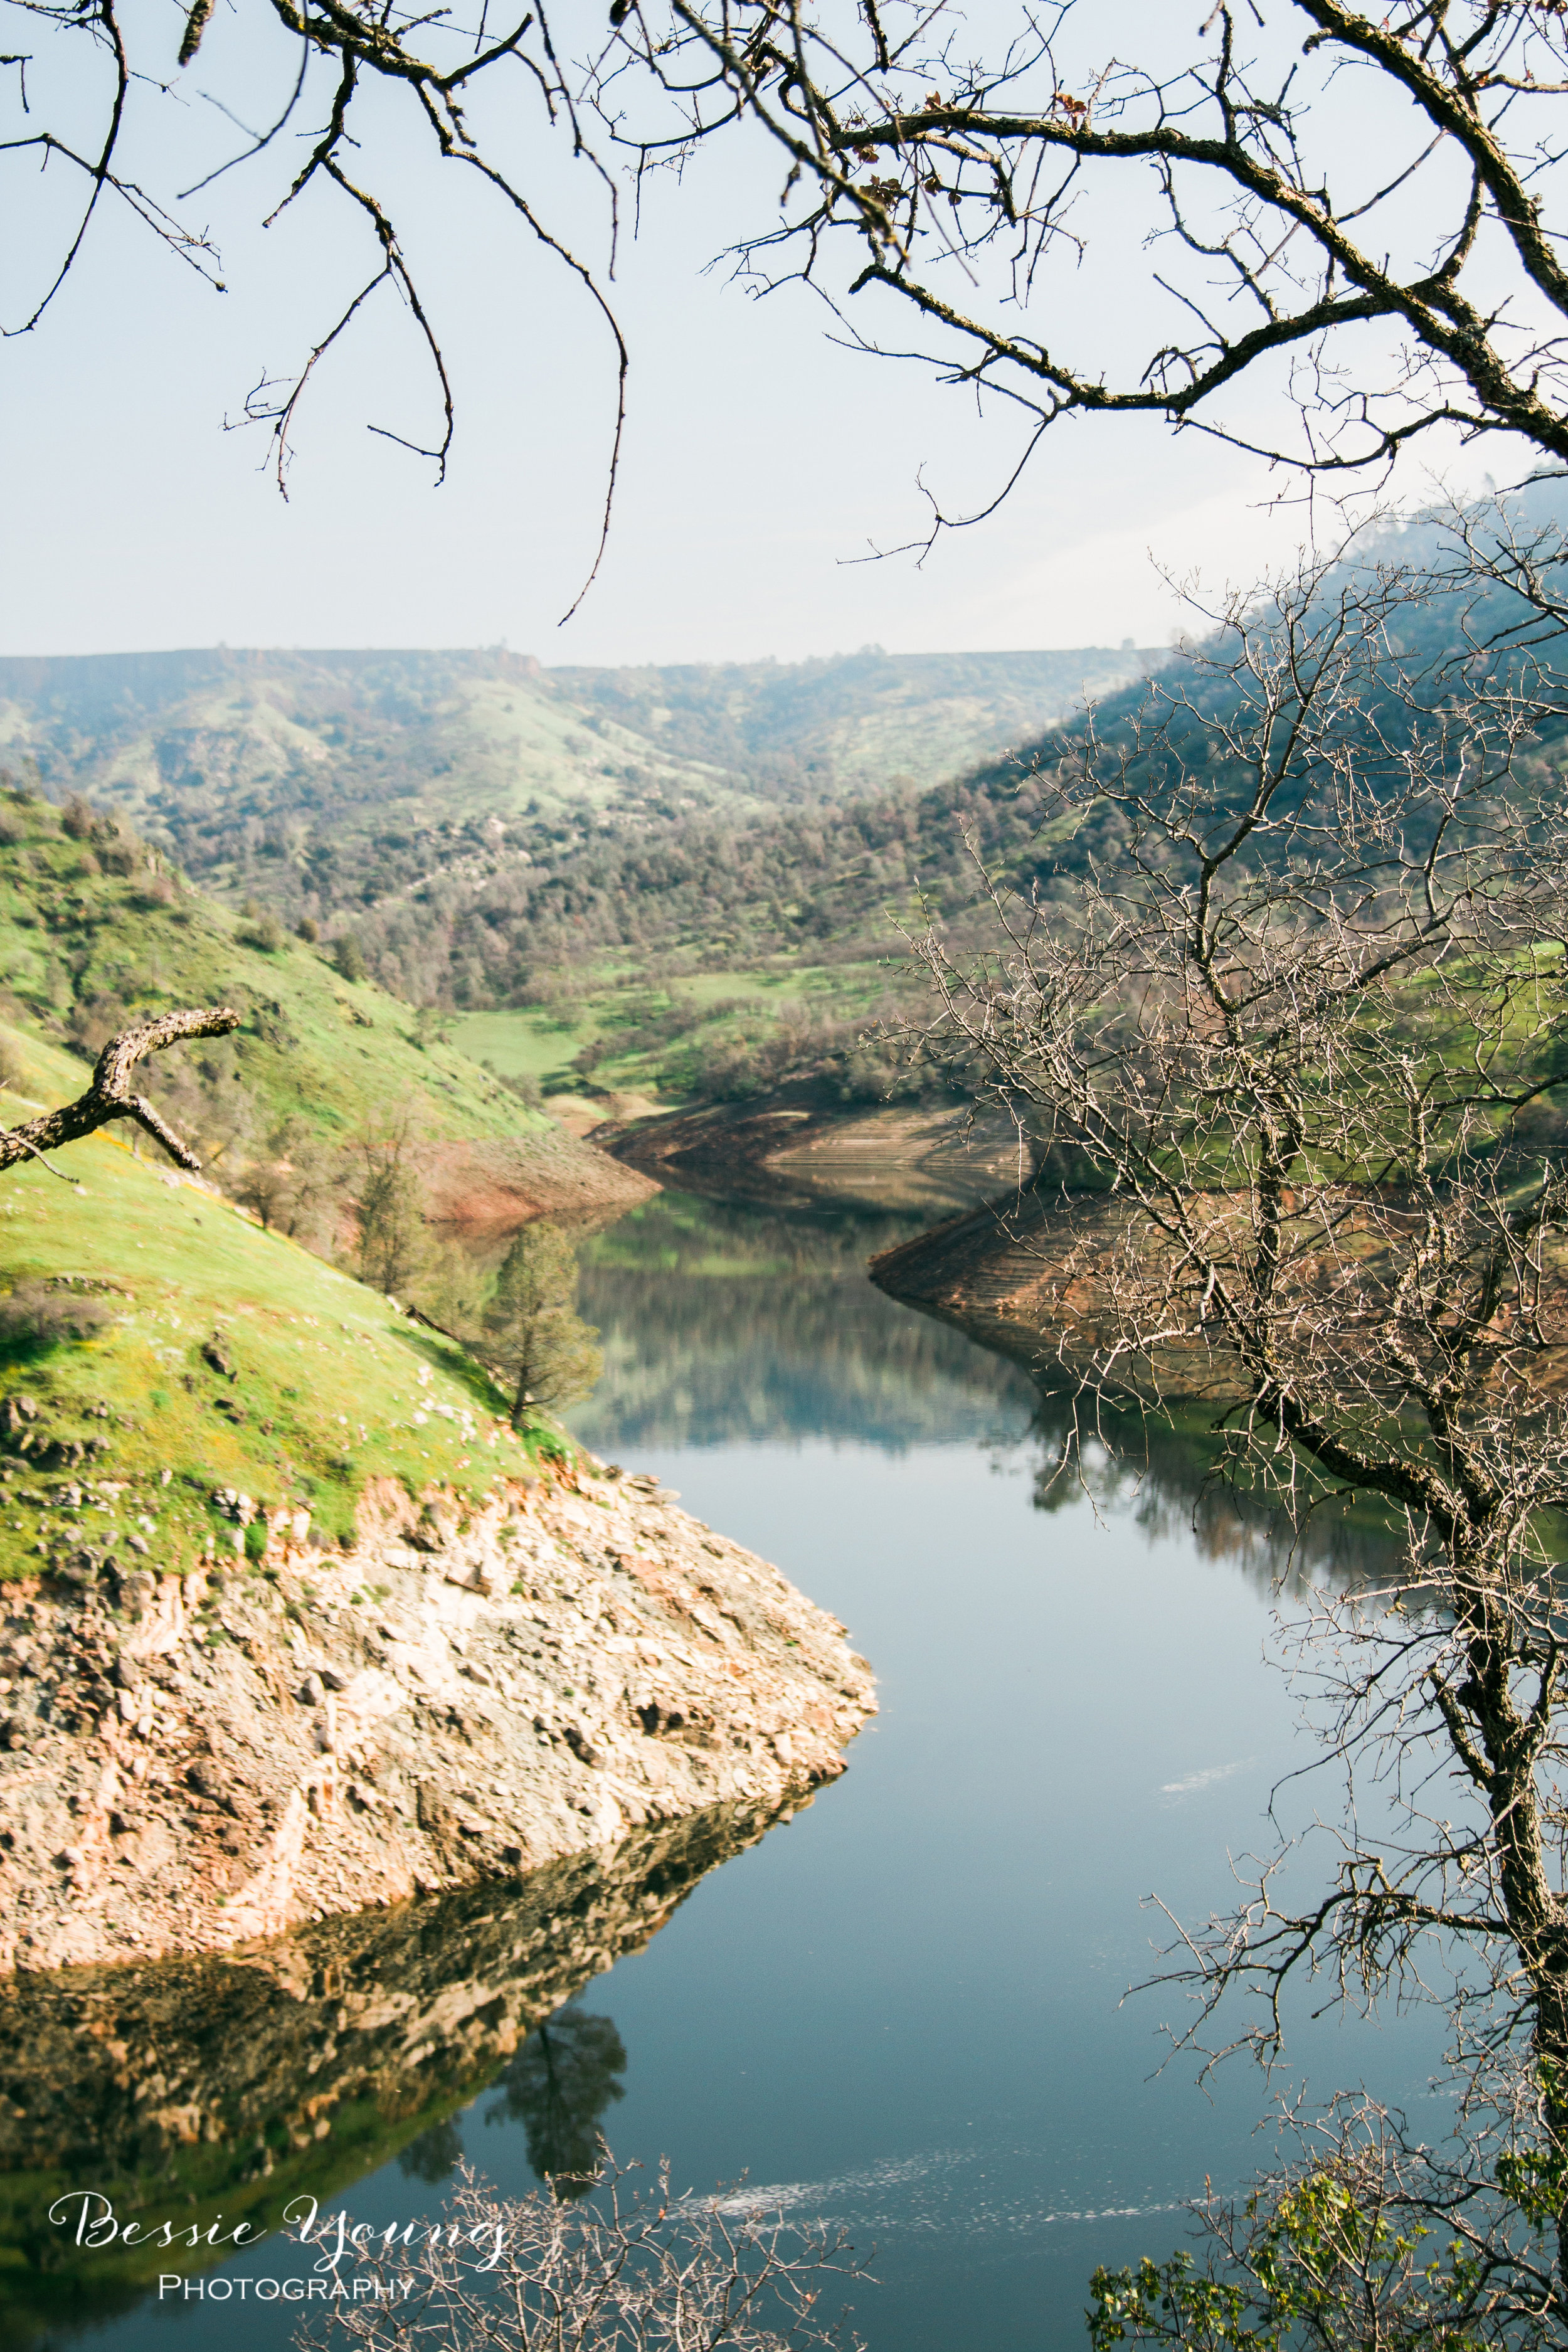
<point x="219" y="753"/>
<point x="703" y="1036"/>
<point x="171" y="1349"/>
<point x="95" y="929"/>
<point x="347" y="787"/>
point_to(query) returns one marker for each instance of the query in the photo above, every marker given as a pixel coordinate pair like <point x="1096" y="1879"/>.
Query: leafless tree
<point x="329" y="54"/>
<point x="1289" y="997"/>
<point x="1350" y="223"/>
<point x="109" y="1096"/>
<point x="615" y="2272"/>
<point x="1357" y="216"/>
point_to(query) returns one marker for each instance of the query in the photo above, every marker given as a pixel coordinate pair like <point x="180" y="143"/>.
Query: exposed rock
<point x="187" y="1765"/>
<point x="800" y="1144"/>
<point x="494" y="1185"/>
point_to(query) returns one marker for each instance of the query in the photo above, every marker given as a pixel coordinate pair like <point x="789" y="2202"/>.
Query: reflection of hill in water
<point x="722" y="1322"/>
<point x="191" y="2087"/>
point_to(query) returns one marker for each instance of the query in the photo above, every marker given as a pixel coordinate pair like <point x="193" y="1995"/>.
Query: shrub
<point x="266" y="932"/>
<point x="348" y="957"/>
<point x="37" y="1314"/>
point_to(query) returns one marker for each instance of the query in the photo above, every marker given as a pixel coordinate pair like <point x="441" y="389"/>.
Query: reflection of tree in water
<point x="1172" y="1475"/>
<point x="722" y="1322"/>
<point x="435" y="2154"/>
<point x="558" y="2086"/>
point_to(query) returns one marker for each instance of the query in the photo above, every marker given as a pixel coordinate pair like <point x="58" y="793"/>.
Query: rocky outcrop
<point x="998" y="1273"/>
<point x="188" y="1765"/>
<point x="291" y="2068"/>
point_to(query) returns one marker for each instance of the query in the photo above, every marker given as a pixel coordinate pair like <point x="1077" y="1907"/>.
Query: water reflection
<point x="559" y="2087"/>
<point x="1170" y="1476"/>
<point x="907" y="2014"/>
<point x="721" y="1322"/>
<point x="232" y="2085"/>
<point x="725" y="1321"/>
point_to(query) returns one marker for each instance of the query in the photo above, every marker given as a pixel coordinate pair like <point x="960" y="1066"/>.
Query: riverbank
<point x="227" y="2087"/>
<point x="1014" y="1274"/>
<point x="493" y="1184"/>
<point x="795" y="1148"/>
<point x="478" y="1687"/>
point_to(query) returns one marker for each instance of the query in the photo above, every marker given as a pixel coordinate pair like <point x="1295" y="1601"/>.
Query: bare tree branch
<point x="1286" y="987"/>
<point x="109" y="1095"/>
<point x="1278" y="236"/>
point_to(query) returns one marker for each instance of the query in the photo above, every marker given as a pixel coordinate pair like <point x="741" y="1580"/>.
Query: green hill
<point x="496" y="836"/>
<point x="98" y="927"/>
<point x="325" y="782"/>
<point x="169" y="1346"/>
<point x="167" y="1349"/>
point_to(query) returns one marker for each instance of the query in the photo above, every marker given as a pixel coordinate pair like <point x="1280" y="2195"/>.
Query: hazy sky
<point x="761" y="459"/>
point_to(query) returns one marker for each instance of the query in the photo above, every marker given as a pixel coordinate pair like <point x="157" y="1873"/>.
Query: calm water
<point x="904" y="2011"/>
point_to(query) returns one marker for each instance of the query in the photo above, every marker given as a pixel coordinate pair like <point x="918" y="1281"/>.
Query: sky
<point x="763" y="462"/>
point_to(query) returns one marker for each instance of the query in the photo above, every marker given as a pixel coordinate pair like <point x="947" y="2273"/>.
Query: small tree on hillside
<point x="533" y="1333"/>
<point x="348" y="957"/>
<point x="296" y="1184"/>
<point x="389" y="1208"/>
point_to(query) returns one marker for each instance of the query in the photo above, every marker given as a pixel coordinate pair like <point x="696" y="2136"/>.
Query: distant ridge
<point x="336" y="737"/>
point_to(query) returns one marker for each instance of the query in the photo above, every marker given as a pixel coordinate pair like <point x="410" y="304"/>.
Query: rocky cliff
<point x="477" y="1686"/>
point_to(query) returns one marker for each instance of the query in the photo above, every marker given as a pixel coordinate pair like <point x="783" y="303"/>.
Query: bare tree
<point x="328" y="58"/>
<point x="616" y="2273"/>
<point x="109" y="1096"/>
<point x="1357" y="216"/>
<point x="1289" y="993"/>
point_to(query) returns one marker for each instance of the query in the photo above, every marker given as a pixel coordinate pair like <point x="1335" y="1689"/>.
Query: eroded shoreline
<point x="194" y="1764"/>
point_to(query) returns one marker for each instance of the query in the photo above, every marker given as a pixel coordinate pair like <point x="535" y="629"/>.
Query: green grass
<point x="536" y="1041"/>
<point x="73" y="941"/>
<point x="330" y="1376"/>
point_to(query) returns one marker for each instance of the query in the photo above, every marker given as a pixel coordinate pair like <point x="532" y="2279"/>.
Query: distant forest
<point x="488" y="832"/>
<point x="478" y="833"/>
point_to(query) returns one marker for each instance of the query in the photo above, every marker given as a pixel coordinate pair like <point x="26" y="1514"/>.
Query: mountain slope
<point x="320" y="778"/>
<point x="95" y="928"/>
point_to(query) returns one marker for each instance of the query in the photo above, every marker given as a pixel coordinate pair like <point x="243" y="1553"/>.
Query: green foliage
<point x="256" y="1539"/>
<point x="1319" y="2261"/>
<point x="389" y="1211"/>
<point x="332" y="1388"/>
<point x="348" y="957"/>
<point x="490" y="836"/>
<point x="265" y="931"/>
<point x="534" y="1334"/>
<point x="81" y="953"/>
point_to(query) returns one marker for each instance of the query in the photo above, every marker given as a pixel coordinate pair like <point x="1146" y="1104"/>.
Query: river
<point x="904" y="2011"/>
